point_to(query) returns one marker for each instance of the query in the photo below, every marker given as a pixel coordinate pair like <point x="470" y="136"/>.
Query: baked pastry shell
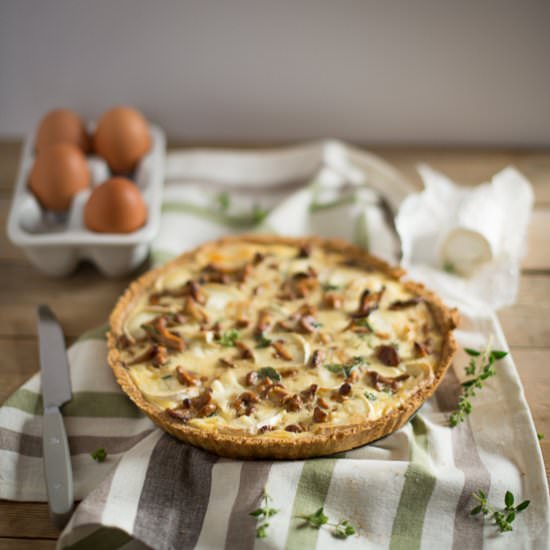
<point x="330" y="439"/>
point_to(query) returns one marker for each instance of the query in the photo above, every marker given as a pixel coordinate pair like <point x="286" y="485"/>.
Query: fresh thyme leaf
<point x="481" y="367"/>
<point x="269" y="372"/>
<point x="471" y="368"/>
<point x="229" y="339"/>
<point x="258" y="213"/>
<point x="150" y="329"/>
<point x="99" y="455"/>
<point x="370" y="396"/>
<point x="346" y="369"/>
<point x="262" y="341"/>
<point x="502" y="518"/>
<point x="223" y="200"/>
<point x="262" y="513"/>
<point x="335" y="368"/>
<point x="508" y="499"/>
<point x="166" y="376"/>
<point x="522" y="506"/>
<point x="261" y="531"/>
<point x="356" y="360"/>
<point x="540" y="436"/>
<point x="328" y="287"/>
<point x="344" y="529"/>
<point x="364" y="322"/>
<point x="449" y="267"/>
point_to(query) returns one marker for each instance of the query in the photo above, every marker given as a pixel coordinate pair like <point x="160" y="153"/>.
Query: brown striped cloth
<point x="409" y="490"/>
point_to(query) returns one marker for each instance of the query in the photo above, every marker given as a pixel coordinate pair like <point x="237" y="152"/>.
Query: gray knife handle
<point x="57" y="467"/>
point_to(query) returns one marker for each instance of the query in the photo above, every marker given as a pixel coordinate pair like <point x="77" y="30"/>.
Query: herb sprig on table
<point x="224" y="200"/>
<point x="258" y="214"/>
<point x="341" y="530"/>
<point x="262" y="514"/>
<point x="480" y="367"/>
<point x="99" y="455"/>
<point x="502" y="518"/>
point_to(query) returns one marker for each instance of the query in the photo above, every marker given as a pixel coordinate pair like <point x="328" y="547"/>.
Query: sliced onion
<point x="220" y="296"/>
<point x="175" y="278"/>
<point x="132" y="325"/>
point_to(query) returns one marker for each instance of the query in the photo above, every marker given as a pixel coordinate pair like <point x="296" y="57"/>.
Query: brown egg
<point x="122" y="138"/>
<point x="59" y="172"/>
<point x="62" y="126"/>
<point x="115" y="206"/>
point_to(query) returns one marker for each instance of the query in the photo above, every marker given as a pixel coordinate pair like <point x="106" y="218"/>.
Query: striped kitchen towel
<point x="410" y="490"/>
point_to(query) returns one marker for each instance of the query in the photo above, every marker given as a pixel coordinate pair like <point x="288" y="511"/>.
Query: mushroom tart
<point x="271" y="347"/>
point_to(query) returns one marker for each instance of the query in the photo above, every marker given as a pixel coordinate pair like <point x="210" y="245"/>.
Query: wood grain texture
<point x="85" y="300"/>
<point x="81" y="301"/>
<point x="538" y="255"/>
<point x="18" y="362"/>
<point x="464" y="165"/>
<point x="26" y="544"/>
<point x="470" y="167"/>
<point x="30" y="518"/>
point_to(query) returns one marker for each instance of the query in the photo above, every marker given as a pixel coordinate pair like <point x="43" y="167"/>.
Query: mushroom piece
<point x="388" y="355"/>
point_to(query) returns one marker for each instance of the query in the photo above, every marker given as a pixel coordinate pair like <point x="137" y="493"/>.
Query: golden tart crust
<point x="317" y="436"/>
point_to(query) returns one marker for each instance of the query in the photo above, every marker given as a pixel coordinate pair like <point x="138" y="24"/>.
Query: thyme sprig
<point x="269" y="372"/>
<point x="502" y="518"/>
<point x="262" y="514"/>
<point x="481" y="367"/>
<point x="341" y="530"/>
<point x="329" y="287"/>
<point x="224" y="201"/>
<point x="262" y="341"/>
<point x="99" y="455"/>
<point x="347" y="368"/>
<point x="228" y="339"/>
<point x="258" y="214"/>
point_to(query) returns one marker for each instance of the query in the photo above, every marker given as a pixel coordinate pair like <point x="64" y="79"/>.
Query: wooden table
<point x="85" y="299"/>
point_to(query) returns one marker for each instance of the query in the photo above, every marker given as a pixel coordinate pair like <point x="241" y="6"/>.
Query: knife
<point x="56" y="390"/>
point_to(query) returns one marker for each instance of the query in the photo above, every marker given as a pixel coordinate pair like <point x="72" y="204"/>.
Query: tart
<point x="271" y="347"/>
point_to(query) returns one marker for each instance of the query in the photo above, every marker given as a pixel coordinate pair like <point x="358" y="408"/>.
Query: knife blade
<point x="56" y="390"/>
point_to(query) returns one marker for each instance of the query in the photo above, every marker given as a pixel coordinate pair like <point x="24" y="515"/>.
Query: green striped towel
<point x="410" y="490"/>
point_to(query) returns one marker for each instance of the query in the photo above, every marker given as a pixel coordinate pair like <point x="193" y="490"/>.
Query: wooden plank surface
<point x="85" y="300"/>
<point x="26" y="544"/>
<point x="17" y="518"/>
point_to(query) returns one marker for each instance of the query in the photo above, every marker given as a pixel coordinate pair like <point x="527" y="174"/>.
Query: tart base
<point x="333" y="439"/>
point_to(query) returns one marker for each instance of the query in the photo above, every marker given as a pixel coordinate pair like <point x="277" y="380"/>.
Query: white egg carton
<point x="55" y="243"/>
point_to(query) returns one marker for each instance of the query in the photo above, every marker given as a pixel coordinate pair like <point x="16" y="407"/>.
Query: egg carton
<point x="55" y="243"/>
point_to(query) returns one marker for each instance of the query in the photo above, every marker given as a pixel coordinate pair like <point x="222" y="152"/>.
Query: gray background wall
<point x="395" y="71"/>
